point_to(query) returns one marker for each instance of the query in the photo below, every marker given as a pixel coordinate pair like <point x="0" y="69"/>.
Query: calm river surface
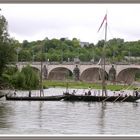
<point x="68" y="118"/>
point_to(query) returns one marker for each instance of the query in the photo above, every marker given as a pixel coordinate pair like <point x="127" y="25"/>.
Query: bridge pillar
<point x="76" y="73"/>
<point x="45" y="72"/>
<point x="112" y="74"/>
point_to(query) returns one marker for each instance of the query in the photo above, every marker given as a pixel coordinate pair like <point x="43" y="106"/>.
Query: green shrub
<point x="31" y="78"/>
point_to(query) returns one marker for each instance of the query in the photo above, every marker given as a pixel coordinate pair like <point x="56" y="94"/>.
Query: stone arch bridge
<point x="86" y="72"/>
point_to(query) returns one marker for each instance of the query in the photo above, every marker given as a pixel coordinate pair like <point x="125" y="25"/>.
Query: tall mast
<point x="41" y="86"/>
<point x="103" y="58"/>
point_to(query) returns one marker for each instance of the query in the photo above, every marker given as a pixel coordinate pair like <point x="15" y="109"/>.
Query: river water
<point x="68" y="118"/>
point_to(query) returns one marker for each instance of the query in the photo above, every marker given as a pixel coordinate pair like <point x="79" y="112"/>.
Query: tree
<point x="3" y="29"/>
<point x="25" y="55"/>
<point x="6" y="50"/>
<point x="25" y="44"/>
<point x="26" y="79"/>
<point x="100" y="44"/>
<point x="75" y="42"/>
<point x="31" y="78"/>
<point x="18" y="80"/>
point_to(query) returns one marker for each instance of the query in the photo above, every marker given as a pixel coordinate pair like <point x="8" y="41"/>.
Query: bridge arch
<point x="35" y="68"/>
<point x="127" y="75"/>
<point x="93" y="74"/>
<point x="60" y="73"/>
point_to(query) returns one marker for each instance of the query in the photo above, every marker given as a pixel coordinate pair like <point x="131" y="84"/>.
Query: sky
<point x="37" y="21"/>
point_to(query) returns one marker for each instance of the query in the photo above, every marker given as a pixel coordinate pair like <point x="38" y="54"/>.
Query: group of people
<point x="86" y="93"/>
<point x="120" y="93"/>
<point x="125" y="94"/>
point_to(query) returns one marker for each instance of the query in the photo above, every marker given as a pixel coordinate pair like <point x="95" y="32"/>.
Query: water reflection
<point x="89" y="104"/>
<point x="5" y="111"/>
<point x="135" y="105"/>
<point x="40" y="113"/>
<point x="102" y="117"/>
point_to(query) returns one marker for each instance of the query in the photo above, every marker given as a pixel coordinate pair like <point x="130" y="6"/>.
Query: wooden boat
<point x="35" y="98"/>
<point x="91" y="98"/>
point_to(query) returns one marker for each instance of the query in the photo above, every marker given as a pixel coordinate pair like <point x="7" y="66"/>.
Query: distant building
<point x="84" y="44"/>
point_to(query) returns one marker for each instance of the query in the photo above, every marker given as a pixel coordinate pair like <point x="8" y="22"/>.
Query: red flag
<point x="105" y="18"/>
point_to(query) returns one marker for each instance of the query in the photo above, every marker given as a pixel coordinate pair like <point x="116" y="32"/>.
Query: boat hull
<point x="34" y="98"/>
<point x="90" y="98"/>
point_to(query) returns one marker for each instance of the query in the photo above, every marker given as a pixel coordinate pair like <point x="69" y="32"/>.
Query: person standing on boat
<point x="29" y="93"/>
<point x="85" y="93"/>
<point x="15" y="93"/>
<point x="73" y="92"/>
<point x="89" y="91"/>
<point x="137" y="94"/>
<point x="98" y="92"/>
<point x="114" y="93"/>
<point x="95" y="92"/>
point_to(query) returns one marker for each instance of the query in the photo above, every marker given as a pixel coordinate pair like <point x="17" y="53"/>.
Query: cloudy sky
<point x="38" y="21"/>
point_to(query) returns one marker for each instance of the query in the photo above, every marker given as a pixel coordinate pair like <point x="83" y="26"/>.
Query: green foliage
<point x="100" y="44"/>
<point x="75" y="42"/>
<point x="26" y="79"/>
<point x="8" y="73"/>
<point x="6" y="45"/>
<point x="25" y="55"/>
<point x="18" y="80"/>
<point x="63" y="50"/>
<point x="3" y="29"/>
<point x="25" y="44"/>
<point x="31" y="78"/>
<point x="10" y="70"/>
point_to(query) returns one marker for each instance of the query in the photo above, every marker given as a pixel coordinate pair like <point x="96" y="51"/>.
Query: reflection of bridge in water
<point x="86" y="71"/>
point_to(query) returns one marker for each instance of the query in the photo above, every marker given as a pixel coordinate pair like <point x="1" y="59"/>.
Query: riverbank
<point x="84" y="85"/>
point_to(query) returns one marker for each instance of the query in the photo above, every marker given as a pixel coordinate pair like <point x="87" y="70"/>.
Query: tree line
<point x="117" y="50"/>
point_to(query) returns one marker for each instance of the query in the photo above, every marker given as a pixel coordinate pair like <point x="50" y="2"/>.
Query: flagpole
<point x="103" y="57"/>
